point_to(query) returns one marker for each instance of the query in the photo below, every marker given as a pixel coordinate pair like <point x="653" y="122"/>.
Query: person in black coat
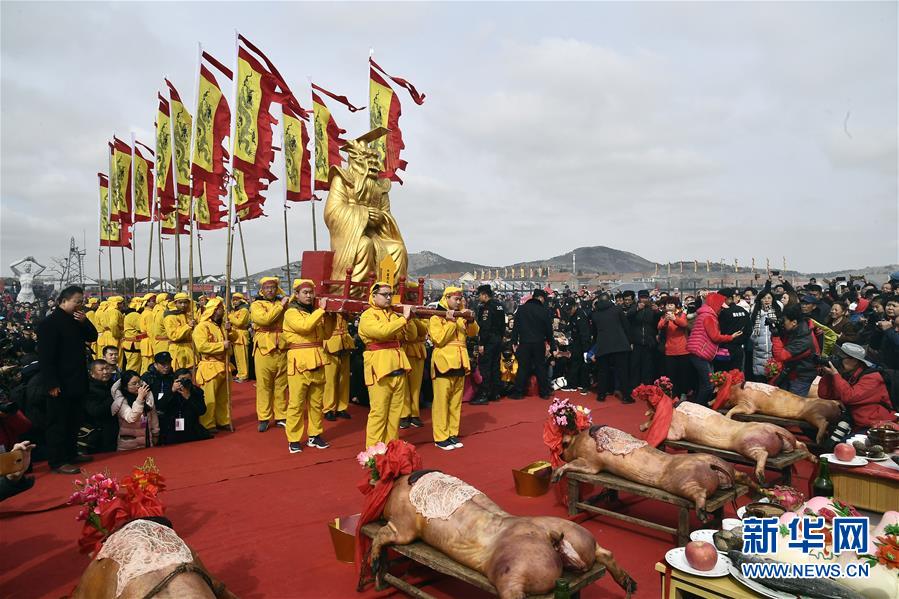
<point x="99" y="429"/>
<point x="580" y="340"/>
<point x="532" y="330"/>
<point x="180" y="407"/>
<point x="611" y="349"/>
<point x="644" y="328"/>
<point x="732" y="318"/>
<point x="62" y="354"/>
<point x="492" y="324"/>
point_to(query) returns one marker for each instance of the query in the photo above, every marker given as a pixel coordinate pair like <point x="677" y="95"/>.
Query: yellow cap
<point x="300" y="283"/>
<point x="181" y="296"/>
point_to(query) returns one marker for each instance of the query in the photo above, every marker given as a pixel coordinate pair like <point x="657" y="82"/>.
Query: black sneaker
<point x="516" y="396"/>
<point x="317" y="442"/>
<point x="263" y="426"/>
<point x="404" y="423"/>
<point x="445" y="445"/>
<point x="281" y="423"/>
<point x="456" y="442"/>
<point x="330" y="416"/>
<point x="344" y="414"/>
<point x="295" y="447"/>
<point x="415" y="422"/>
<point x="582" y="391"/>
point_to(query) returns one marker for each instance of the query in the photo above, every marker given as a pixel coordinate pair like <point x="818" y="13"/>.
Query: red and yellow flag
<point x="384" y="111"/>
<point x="296" y="157"/>
<point x="212" y="125"/>
<point x="165" y="187"/>
<point x="181" y="122"/>
<point x="120" y="182"/>
<point x="142" y="182"/>
<point x="327" y="140"/>
<point x="108" y="229"/>
<point x="209" y="210"/>
<point x="256" y="90"/>
<point x="247" y="198"/>
<point x="170" y="224"/>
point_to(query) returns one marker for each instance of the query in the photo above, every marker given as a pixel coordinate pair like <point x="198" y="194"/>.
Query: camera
<point x="774" y="325"/>
<point x="823" y="361"/>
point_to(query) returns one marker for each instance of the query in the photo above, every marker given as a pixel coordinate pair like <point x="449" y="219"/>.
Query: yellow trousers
<point x="386" y="399"/>
<point x="243" y="361"/>
<point x="337" y="383"/>
<point x="414" y="376"/>
<point x="183" y="355"/>
<point x="446" y="411"/>
<point x="160" y="345"/>
<point x="306" y="391"/>
<point x="271" y="386"/>
<point x="132" y="360"/>
<point x="215" y="394"/>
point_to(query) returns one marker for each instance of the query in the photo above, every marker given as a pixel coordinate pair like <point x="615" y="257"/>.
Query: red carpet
<point x="257" y="515"/>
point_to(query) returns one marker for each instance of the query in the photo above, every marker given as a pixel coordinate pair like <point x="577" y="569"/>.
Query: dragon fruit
<point x="788" y="497"/>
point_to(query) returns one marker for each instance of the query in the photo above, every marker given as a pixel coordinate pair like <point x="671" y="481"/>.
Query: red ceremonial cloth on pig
<point x="664" y="412"/>
<point x="552" y="438"/>
<point x="732" y="377"/>
<point x="399" y="460"/>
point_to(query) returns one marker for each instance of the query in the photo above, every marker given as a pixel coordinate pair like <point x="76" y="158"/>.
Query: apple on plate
<point x="844" y="452"/>
<point x="701" y="556"/>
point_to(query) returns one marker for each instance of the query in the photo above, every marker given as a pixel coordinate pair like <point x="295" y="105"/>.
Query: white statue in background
<point x="26" y="269"/>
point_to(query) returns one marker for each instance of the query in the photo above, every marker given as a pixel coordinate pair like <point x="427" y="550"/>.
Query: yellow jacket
<point x="267" y="318"/>
<point x="159" y="334"/>
<point x="91" y="315"/>
<point x="415" y="333"/>
<point x="111" y="321"/>
<point x="382" y="326"/>
<point x="340" y="339"/>
<point x="131" y="339"/>
<point x="508" y="370"/>
<point x="146" y="329"/>
<point x="302" y="328"/>
<point x="209" y="339"/>
<point x="448" y="337"/>
<point x="240" y="324"/>
<point x="180" y="337"/>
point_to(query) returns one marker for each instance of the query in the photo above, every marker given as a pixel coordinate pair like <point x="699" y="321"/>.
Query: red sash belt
<point x="384" y="345"/>
<point x="304" y="345"/>
<point x="267" y="329"/>
<point x="138" y="338"/>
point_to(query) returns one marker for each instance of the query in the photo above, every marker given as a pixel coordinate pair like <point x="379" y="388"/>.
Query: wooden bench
<point x="714" y="504"/>
<point x="807" y="430"/>
<point x="782" y="464"/>
<point x="424" y="554"/>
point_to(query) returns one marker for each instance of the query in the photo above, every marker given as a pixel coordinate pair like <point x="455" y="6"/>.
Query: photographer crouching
<point x="859" y="385"/>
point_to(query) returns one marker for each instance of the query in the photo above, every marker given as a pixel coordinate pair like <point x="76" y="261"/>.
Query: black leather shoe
<point x="480" y="401"/>
<point x="343" y="414"/>
<point x="67" y="469"/>
<point x="82" y="459"/>
<point x="330" y="416"/>
<point x="515" y="396"/>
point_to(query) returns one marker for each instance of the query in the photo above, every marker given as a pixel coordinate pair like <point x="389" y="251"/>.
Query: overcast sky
<point x="672" y="130"/>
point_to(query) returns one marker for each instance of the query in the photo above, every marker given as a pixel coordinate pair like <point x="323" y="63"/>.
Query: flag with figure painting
<point x="142" y="181"/>
<point x="384" y="110"/>
<point x="211" y="127"/>
<point x="165" y="186"/>
<point x="120" y="182"/>
<point x="296" y="157"/>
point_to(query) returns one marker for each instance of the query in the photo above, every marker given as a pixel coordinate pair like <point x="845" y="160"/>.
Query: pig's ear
<point x="743" y="385"/>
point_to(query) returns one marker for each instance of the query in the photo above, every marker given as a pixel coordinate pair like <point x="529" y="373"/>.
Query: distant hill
<point x="589" y="259"/>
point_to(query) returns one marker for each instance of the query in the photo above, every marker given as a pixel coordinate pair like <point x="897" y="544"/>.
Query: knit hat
<point x="808" y="299"/>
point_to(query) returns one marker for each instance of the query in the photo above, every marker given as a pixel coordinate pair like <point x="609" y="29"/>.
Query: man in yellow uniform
<point x="112" y="321"/>
<point x="449" y="367"/>
<point x="132" y="336"/>
<point x="269" y="358"/>
<point x="90" y="312"/>
<point x="212" y="340"/>
<point x="160" y="338"/>
<point x="179" y="325"/>
<point x="239" y="317"/>
<point x="339" y="346"/>
<point x="146" y="330"/>
<point x="304" y="334"/>
<point x="385" y="364"/>
<point x="415" y="333"/>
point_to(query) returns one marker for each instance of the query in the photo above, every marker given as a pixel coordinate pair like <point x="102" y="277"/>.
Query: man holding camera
<point x="179" y="404"/>
<point x="858" y="384"/>
<point x="795" y="346"/>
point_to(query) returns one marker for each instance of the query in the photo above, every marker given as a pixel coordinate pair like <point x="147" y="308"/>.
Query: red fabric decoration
<point x="664" y="412"/>
<point x="400" y="459"/>
<point x="552" y="438"/>
<point x="733" y="377"/>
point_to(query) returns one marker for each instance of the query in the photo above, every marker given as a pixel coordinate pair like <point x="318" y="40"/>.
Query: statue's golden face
<point x="362" y="160"/>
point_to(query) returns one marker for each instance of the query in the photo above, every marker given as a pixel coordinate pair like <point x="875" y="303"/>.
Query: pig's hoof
<point x="629" y="585"/>
<point x="556" y="477"/>
<point x="703" y="515"/>
<point x="760" y="476"/>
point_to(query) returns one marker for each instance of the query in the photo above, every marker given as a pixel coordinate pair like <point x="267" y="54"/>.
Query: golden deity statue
<point x="357" y="214"/>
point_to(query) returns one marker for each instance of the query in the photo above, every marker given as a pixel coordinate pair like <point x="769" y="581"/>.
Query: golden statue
<point x="357" y="214"/>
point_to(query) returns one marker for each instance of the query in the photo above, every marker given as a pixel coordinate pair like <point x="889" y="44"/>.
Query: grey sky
<point x="673" y="130"/>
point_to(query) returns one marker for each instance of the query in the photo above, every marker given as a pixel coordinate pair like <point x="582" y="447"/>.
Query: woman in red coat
<point x="673" y="330"/>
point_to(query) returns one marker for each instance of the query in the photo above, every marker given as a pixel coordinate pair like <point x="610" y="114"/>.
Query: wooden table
<point x="714" y="504"/>
<point x="426" y="555"/>
<point x="870" y="487"/>
<point x="782" y="463"/>
<point x="807" y="430"/>
<point x="682" y="585"/>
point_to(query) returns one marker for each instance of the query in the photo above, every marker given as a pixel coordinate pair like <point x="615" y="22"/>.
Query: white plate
<point x="677" y="558"/>
<point x="705" y="534"/>
<point x="856" y="461"/>
<point x="882" y="458"/>
<point x="758" y="588"/>
<point x="729" y="523"/>
<point x="742" y="510"/>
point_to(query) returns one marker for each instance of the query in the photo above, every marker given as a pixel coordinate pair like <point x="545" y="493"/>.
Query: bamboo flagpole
<point x="190" y="155"/>
<point x="174" y="169"/>
<point x="133" y="224"/>
<point x="286" y="235"/>
<point x="124" y="272"/>
<point x="109" y="204"/>
<point x="100" y="234"/>
<point x="243" y="250"/>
